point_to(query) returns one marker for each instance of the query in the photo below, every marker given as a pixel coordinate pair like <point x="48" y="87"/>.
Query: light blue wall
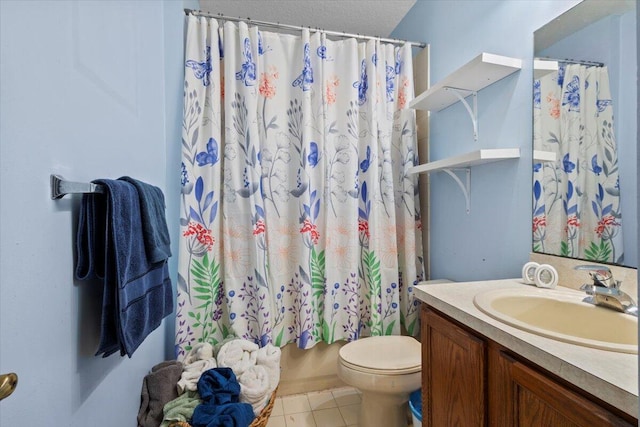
<point x="494" y="240"/>
<point x="89" y="90"/>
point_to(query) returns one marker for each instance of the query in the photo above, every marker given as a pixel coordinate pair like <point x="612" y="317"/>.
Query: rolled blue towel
<point x="219" y="386"/>
<point x="228" y="415"/>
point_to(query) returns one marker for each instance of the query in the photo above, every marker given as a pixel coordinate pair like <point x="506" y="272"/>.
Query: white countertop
<point x="610" y="376"/>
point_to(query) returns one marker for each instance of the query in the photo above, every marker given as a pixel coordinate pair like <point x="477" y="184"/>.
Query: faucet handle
<point x="601" y="275"/>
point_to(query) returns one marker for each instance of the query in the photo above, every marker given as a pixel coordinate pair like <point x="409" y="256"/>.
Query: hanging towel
<point x="181" y="408"/>
<point x="154" y="223"/>
<point x="269" y="357"/>
<point x="219" y="386"/>
<point x="229" y="415"/>
<point x="192" y="373"/>
<point x="255" y="388"/>
<point x="158" y="388"/>
<point x="137" y="293"/>
<point x="91" y="251"/>
<point x="238" y="354"/>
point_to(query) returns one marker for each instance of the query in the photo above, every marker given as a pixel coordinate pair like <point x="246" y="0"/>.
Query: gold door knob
<point x="8" y="383"/>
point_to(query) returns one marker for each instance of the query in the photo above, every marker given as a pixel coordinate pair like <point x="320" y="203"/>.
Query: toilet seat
<point x="383" y="355"/>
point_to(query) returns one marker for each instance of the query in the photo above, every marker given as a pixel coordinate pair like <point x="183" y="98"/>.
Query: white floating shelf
<point x="482" y="71"/>
<point x="542" y="67"/>
<point x="544" y="156"/>
<point x="473" y="158"/>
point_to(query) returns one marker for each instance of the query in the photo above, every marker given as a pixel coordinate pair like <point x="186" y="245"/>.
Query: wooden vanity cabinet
<point x="453" y="374"/>
<point x="469" y="380"/>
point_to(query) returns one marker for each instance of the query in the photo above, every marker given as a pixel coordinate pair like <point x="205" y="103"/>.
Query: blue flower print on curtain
<point x="201" y="69"/>
<point x="314" y="155"/>
<point x="366" y="162"/>
<point x="398" y="64"/>
<point x="539" y="218"/>
<point x="261" y="47"/>
<point x="390" y="79"/>
<point x="571" y="95"/>
<point x="321" y="51"/>
<point x="567" y="165"/>
<point x="209" y="157"/>
<point x="559" y="78"/>
<point x="248" y="71"/>
<point x="537" y="95"/>
<point x="362" y="85"/>
<point x="602" y="104"/>
<point x="305" y="79"/>
<point x="595" y="168"/>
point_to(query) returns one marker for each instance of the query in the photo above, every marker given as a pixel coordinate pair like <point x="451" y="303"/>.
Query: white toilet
<point x="386" y="370"/>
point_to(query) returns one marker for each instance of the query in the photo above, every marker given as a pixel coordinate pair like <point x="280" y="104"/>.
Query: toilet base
<point x="383" y="409"/>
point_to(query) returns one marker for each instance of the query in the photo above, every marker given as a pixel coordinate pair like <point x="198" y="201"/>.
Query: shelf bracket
<point x="461" y="94"/>
<point x="464" y="186"/>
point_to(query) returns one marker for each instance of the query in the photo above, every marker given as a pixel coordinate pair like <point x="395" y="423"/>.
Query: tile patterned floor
<point x="338" y="407"/>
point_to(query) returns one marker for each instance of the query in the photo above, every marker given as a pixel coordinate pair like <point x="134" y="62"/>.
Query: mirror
<point x="585" y="134"/>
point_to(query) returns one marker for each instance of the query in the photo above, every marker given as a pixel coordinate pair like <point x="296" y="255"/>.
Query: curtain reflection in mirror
<point x="576" y="199"/>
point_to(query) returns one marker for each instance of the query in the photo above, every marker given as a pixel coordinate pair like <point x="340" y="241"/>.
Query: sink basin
<point x="563" y="316"/>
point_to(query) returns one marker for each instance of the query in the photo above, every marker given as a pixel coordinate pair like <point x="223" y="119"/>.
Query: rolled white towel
<point x="218" y="346"/>
<point x="269" y="357"/>
<point x="238" y="355"/>
<point x="192" y="373"/>
<point x="255" y="388"/>
<point x="200" y="351"/>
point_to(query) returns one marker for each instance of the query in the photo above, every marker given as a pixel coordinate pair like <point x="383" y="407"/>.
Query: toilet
<point x="386" y="369"/>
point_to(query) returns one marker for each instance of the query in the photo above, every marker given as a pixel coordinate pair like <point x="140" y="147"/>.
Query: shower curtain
<point x="576" y="199"/>
<point x="299" y="221"/>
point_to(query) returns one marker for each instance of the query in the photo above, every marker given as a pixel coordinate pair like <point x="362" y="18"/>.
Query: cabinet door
<point x="453" y="374"/>
<point x="535" y="400"/>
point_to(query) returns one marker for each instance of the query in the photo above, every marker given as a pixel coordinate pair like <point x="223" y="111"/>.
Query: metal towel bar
<point x="61" y="187"/>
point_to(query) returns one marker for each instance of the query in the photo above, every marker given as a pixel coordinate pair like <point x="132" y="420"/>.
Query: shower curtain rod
<point x="574" y="61"/>
<point x="297" y="28"/>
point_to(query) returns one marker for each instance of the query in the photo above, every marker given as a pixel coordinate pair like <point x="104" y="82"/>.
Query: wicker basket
<point x="263" y="418"/>
<point x="260" y="421"/>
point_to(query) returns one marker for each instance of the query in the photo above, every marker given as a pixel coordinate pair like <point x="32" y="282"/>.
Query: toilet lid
<point x="392" y="355"/>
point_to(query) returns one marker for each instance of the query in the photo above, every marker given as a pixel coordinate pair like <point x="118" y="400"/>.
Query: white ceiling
<point x="367" y="17"/>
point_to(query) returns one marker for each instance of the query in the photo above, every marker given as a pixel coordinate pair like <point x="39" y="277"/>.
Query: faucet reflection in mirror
<point x="576" y="198"/>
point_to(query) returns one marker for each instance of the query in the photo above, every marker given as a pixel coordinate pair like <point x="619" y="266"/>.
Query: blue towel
<point x="137" y="293"/>
<point x="228" y="415"/>
<point x="90" y="236"/>
<point x="219" y="386"/>
<point x="154" y="224"/>
<point x="91" y="252"/>
<point x="220" y="393"/>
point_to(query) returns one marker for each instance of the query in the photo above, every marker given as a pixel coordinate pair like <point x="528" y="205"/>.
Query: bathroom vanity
<point x="479" y="371"/>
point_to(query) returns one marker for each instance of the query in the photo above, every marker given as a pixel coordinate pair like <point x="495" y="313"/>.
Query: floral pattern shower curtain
<point x="576" y="199"/>
<point x="299" y="220"/>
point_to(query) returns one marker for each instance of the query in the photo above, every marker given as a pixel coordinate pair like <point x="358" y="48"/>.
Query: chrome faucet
<point x="605" y="290"/>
